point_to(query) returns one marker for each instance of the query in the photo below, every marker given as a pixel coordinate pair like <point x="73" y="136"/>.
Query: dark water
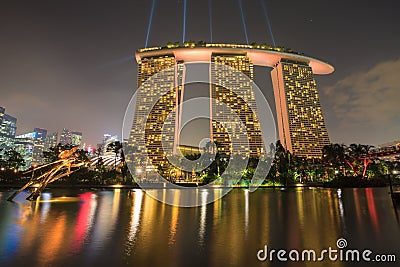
<point x="128" y="228"/>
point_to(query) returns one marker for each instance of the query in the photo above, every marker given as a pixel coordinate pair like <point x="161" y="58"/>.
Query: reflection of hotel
<point x="301" y="125"/>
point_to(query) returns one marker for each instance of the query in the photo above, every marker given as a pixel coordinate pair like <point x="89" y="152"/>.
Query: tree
<point x="116" y="148"/>
<point x="14" y="159"/>
<point x="367" y="157"/>
<point x="282" y="161"/>
<point x="361" y="157"/>
<point x="335" y="155"/>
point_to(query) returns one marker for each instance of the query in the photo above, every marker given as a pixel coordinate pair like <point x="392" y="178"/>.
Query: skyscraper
<point x="300" y="121"/>
<point x="301" y="125"/>
<point x="24" y="146"/>
<point x="8" y="128"/>
<point x="38" y="145"/>
<point x="65" y="137"/>
<point x="166" y="80"/>
<point x="31" y="146"/>
<point x="229" y="89"/>
<point x="76" y="138"/>
<point x="50" y="141"/>
<point x="40" y="133"/>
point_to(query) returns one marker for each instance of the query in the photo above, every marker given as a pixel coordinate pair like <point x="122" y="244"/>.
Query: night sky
<point x="70" y="63"/>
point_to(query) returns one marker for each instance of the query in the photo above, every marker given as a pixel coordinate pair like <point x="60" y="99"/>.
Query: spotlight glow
<point x="210" y="16"/>
<point x="184" y="22"/>
<point x="264" y="7"/>
<point x="150" y="22"/>
<point x="243" y="21"/>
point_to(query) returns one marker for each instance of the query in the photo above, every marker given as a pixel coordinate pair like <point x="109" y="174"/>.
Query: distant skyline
<point x="70" y="64"/>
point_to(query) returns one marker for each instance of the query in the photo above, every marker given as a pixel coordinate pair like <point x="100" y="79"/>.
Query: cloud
<point x="365" y="105"/>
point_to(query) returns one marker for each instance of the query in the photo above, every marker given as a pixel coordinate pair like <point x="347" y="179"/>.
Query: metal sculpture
<point x="68" y="159"/>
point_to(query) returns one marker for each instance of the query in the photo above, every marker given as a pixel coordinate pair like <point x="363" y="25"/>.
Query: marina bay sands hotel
<point x="300" y="122"/>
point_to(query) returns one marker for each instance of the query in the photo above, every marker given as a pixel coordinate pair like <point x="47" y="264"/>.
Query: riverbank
<point x="347" y="182"/>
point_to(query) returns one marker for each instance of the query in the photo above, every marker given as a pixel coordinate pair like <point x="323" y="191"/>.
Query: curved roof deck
<point x="259" y="55"/>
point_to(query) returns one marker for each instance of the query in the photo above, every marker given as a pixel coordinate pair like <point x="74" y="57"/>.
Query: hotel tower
<point x="299" y="117"/>
<point x="301" y="124"/>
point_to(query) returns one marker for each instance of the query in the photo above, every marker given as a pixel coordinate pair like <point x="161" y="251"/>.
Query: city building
<point x="389" y="151"/>
<point x="40" y="133"/>
<point x="24" y="146"/>
<point x="50" y="141"/>
<point x="8" y="128"/>
<point x="38" y="145"/>
<point x="300" y="121"/>
<point x="76" y="138"/>
<point x="166" y="79"/>
<point x="66" y="137"/>
<point x="108" y="139"/>
<point x="301" y="124"/>
<point x="33" y="156"/>
<point x="229" y="89"/>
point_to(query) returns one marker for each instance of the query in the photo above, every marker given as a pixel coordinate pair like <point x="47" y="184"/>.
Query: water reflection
<point x="246" y="210"/>
<point x="135" y="219"/>
<point x="45" y="207"/>
<point x="174" y="219"/>
<point x="372" y="208"/>
<point x="105" y="219"/>
<point x="52" y="242"/>
<point x="203" y="214"/>
<point x="123" y="227"/>
<point x="341" y="209"/>
<point x="84" y="220"/>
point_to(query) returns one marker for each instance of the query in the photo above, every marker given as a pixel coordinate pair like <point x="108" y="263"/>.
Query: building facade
<point x="39" y="145"/>
<point x="230" y="90"/>
<point x="66" y="137"/>
<point x="50" y="141"/>
<point x="25" y="146"/>
<point x="165" y="78"/>
<point x="301" y="124"/>
<point x="76" y="138"/>
<point x="8" y="129"/>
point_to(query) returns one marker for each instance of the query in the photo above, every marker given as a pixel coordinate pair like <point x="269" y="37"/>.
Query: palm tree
<point x="360" y="153"/>
<point x="116" y="148"/>
<point x="367" y="157"/>
<point x="282" y="161"/>
<point x="335" y="155"/>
